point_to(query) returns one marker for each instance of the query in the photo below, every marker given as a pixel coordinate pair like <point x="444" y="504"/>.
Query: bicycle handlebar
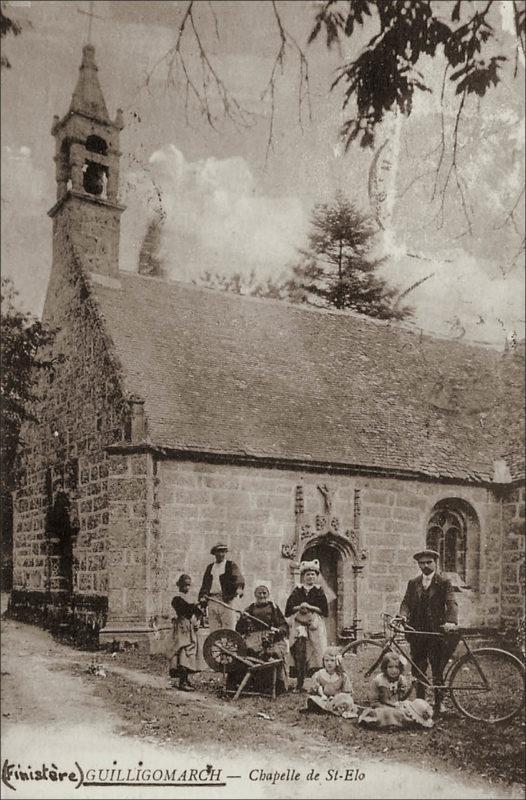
<point x="400" y="625"/>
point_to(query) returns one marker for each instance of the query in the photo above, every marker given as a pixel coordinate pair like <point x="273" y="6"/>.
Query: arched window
<point x="446" y="533"/>
<point x="96" y="145"/>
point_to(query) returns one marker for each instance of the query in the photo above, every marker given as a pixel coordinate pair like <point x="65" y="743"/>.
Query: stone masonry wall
<point x="130" y="497"/>
<point x="252" y="510"/>
<point x="94" y="230"/>
<point x="513" y="555"/>
<point x="81" y="411"/>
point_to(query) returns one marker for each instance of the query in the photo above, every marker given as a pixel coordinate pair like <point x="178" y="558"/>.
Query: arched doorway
<point x="61" y="537"/>
<point x="329" y="558"/>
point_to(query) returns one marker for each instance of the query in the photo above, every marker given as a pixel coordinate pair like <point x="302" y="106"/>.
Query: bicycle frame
<point x="392" y="642"/>
<point x="472" y="677"/>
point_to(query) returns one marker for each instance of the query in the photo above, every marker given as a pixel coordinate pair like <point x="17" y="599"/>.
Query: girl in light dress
<point x="331" y="687"/>
<point x="391" y="704"/>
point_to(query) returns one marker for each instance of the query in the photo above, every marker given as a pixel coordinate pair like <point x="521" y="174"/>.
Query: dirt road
<point x="53" y="721"/>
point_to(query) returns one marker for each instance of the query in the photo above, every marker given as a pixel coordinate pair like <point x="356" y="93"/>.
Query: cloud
<point x="217" y="219"/>
<point x="26" y="194"/>
<point x="21" y="180"/>
<point x="464" y="297"/>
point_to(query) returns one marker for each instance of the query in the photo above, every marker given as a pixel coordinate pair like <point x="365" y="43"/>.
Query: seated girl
<point x="331" y="688"/>
<point x="392" y="705"/>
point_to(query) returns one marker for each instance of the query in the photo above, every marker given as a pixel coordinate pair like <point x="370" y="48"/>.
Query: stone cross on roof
<point x="91" y="15"/>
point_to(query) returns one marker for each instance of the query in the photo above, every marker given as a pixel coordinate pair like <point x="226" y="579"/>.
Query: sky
<point x="229" y="203"/>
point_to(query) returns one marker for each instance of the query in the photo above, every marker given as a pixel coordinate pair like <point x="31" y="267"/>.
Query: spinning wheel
<point x="222" y="648"/>
<point x="225" y="651"/>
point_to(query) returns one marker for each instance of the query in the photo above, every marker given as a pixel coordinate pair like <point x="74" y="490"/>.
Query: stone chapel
<point x="179" y="416"/>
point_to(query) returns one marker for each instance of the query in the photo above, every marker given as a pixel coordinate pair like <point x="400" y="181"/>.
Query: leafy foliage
<point x="384" y="76"/>
<point x="337" y="268"/>
<point x="7" y="25"/>
<point x="239" y="284"/>
<point x="22" y="339"/>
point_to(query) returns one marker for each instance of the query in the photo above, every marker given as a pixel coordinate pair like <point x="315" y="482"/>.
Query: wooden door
<point x="60" y="533"/>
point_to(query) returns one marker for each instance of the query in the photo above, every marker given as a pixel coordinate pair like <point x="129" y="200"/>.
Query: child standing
<point x="308" y="606"/>
<point x="183" y="659"/>
<point x="391" y="692"/>
<point x="332" y="690"/>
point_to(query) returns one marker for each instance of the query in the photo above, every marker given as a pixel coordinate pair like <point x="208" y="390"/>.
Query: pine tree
<point x="338" y="268"/>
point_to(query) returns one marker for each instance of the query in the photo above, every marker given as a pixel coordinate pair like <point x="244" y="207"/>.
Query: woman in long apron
<point x="308" y="607"/>
<point x="183" y="661"/>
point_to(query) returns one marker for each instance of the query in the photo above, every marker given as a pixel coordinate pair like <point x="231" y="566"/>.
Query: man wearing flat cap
<point x="222" y="581"/>
<point x="429" y="604"/>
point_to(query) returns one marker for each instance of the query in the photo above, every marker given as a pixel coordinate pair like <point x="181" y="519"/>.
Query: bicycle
<point x="485" y="684"/>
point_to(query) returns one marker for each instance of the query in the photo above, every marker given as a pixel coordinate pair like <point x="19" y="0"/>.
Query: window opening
<point x="95" y="178"/>
<point x="95" y="144"/>
<point x="446" y="533"/>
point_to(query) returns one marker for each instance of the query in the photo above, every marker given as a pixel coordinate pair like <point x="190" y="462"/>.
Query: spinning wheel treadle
<point x="221" y="648"/>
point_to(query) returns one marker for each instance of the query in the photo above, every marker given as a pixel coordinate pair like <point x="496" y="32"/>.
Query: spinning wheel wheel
<point x="221" y="649"/>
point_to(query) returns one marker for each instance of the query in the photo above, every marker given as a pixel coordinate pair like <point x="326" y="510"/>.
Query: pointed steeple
<point x="88" y="98"/>
<point x="87" y="157"/>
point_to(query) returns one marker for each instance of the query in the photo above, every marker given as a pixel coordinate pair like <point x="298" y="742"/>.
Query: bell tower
<point x="87" y="156"/>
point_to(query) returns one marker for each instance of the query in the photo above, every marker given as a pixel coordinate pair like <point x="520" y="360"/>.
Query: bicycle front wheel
<point x="488" y="685"/>
<point x="358" y="657"/>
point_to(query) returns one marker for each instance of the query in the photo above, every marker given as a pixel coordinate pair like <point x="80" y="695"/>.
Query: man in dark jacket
<point x="429" y="604"/>
<point x="222" y="581"/>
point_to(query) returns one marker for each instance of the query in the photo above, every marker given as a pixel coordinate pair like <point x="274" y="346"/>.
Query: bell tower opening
<point x="95" y="144"/>
<point x="95" y="179"/>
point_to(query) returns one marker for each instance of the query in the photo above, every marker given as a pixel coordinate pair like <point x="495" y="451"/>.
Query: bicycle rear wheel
<point x="488" y="685"/>
<point x="357" y="658"/>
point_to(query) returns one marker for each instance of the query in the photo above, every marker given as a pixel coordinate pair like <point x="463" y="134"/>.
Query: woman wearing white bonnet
<point x="265" y="631"/>
<point x="308" y="607"/>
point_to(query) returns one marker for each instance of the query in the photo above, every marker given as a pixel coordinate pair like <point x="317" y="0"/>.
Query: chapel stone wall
<point x="513" y="556"/>
<point x="129" y="542"/>
<point x="253" y="511"/>
<point x="80" y="410"/>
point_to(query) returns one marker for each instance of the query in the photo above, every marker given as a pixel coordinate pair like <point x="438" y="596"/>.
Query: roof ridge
<point x="407" y="327"/>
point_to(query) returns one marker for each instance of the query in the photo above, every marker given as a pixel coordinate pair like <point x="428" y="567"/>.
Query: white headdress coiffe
<point x="310" y="566"/>
<point x="314" y="565"/>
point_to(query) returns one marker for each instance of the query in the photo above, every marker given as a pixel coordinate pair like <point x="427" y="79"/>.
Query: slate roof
<point x="233" y="375"/>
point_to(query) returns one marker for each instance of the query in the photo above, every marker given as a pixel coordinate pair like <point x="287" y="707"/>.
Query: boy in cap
<point x="429" y="604"/>
<point x="222" y="580"/>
